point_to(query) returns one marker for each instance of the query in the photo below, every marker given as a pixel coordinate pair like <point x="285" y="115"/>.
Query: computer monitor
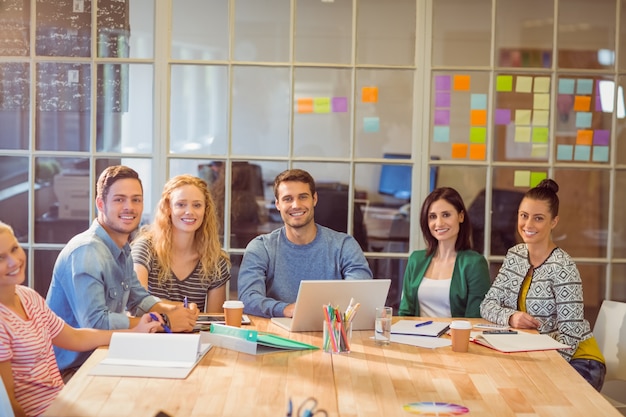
<point x="395" y="180"/>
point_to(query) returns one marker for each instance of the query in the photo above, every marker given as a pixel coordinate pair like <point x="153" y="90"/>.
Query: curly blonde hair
<point x="206" y="239"/>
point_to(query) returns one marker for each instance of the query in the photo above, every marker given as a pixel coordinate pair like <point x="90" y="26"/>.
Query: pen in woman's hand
<point x="185" y="302"/>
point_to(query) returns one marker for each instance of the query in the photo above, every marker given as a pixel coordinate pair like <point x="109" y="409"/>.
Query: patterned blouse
<point x="555" y="296"/>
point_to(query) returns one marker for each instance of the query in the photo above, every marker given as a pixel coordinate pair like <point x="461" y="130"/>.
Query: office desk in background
<point x="370" y="381"/>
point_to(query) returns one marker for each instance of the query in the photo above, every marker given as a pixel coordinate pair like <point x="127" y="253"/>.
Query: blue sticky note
<point x="582" y="152"/>
<point x="584" y="86"/>
<point x="600" y="154"/>
<point x="564" y="152"/>
<point x="371" y="124"/>
<point x="583" y="119"/>
<point x="566" y="86"/>
<point x="441" y="134"/>
<point x="478" y="101"/>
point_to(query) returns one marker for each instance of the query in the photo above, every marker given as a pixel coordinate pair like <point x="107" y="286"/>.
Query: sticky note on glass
<point x="459" y="150"/>
<point x="600" y="154"/>
<point x="522" y="134"/>
<point x="477" y="152"/>
<point x="321" y="105"/>
<point x="566" y="86"/>
<point x="369" y="94"/>
<point x="478" y="134"/>
<point x="582" y="152"/>
<point x="478" y="117"/>
<point x="340" y="104"/>
<point x="582" y="103"/>
<point x="584" y="86"/>
<point x="461" y="83"/>
<point x="522" y="117"/>
<point x="371" y="124"/>
<point x="536" y="178"/>
<point x="442" y="83"/>
<point x="478" y="101"/>
<point x="601" y="137"/>
<point x="442" y="117"/>
<point x="541" y="117"/>
<point x="583" y="119"/>
<point x="442" y="100"/>
<point x="539" y="150"/>
<point x="504" y="83"/>
<point x="584" y="137"/>
<point x="503" y="116"/>
<point x="542" y="85"/>
<point x="523" y="84"/>
<point x="541" y="101"/>
<point x="540" y="135"/>
<point x="305" y="105"/>
<point x="564" y="152"/>
<point x="441" y="134"/>
<point x="521" y="179"/>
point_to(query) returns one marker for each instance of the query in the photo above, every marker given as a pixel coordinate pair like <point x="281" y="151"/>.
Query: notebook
<point x="420" y="328"/>
<point x="308" y="315"/>
<point x="520" y="342"/>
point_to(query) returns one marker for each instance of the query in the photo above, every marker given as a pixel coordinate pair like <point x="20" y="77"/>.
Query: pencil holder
<point x="336" y="337"/>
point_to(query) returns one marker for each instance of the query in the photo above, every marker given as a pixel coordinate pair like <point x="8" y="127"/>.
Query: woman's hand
<point x="147" y="324"/>
<point x="521" y="320"/>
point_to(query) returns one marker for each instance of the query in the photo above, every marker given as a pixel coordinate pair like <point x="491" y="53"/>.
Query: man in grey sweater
<point x="275" y="263"/>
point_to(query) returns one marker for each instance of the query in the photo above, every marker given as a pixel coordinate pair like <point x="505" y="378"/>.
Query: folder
<point x="252" y="342"/>
<point x="152" y="355"/>
<point x="520" y="342"/>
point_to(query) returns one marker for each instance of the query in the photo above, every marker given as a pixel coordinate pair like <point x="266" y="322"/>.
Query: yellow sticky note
<point x="523" y="84"/>
<point x="521" y="179"/>
<point x="541" y="117"/>
<point x="461" y="83"/>
<point x="459" y="150"/>
<point x="522" y="117"/>
<point x="305" y="105"/>
<point x="321" y="105"/>
<point x="522" y="134"/>
<point x="369" y="94"/>
<point x="542" y="85"/>
<point x="541" y="101"/>
<point x="539" y="150"/>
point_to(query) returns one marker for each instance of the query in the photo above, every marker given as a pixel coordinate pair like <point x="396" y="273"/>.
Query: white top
<point x="433" y="296"/>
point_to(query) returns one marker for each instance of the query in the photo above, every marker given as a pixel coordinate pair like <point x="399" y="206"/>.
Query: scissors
<point x="308" y="408"/>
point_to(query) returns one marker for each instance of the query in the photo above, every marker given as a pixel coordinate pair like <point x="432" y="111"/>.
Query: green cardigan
<point x="470" y="283"/>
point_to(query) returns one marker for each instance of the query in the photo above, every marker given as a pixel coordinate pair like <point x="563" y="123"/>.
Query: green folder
<point x="252" y="341"/>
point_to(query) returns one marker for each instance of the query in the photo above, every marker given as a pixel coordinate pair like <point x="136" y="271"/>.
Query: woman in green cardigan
<point x="448" y="278"/>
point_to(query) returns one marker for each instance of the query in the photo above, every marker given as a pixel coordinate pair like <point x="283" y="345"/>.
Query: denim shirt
<point x="94" y="285"/>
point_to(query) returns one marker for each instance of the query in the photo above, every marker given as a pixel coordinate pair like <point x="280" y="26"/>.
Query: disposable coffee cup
<point x="233" y="311"/>
<point x="460" y="332"/>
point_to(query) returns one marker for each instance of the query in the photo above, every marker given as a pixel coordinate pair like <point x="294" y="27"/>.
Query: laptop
<point x="308" y="315"/>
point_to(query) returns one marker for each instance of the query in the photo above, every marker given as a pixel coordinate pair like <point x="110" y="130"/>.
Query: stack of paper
<point x="420" y="333"/>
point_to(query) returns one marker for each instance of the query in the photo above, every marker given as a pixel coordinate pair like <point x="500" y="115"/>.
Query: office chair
<point x="610" y="333"/>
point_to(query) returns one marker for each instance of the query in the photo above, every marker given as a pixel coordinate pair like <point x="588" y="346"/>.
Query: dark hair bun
<point x="549" y="184"/>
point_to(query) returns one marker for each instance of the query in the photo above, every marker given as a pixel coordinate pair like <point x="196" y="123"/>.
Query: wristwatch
<point x="166" y="321"/>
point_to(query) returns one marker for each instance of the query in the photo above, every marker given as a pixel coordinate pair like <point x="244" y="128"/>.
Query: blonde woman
<point x="179" y="256"/>
<point x="28" y="329"/>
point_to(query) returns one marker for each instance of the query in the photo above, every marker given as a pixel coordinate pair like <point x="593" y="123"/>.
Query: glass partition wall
<point x="380" y="101"/>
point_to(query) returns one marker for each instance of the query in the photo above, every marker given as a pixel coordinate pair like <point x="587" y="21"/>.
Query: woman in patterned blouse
<point x="539" y="286"/>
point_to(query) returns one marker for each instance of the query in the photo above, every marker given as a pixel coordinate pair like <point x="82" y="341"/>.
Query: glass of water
<point x="382" y="326"/>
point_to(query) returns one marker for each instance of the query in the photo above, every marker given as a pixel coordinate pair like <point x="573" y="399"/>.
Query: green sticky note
<point x="504" y="83"/>
<point x="536" y="178"/>
<point x="321" y="105"/>
<point x="540" y="134"/>
<point x="478" y="135"/>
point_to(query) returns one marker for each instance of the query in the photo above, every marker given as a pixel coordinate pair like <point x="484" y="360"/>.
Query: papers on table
<point x="157" y="355"/>
<point x="520" y="342"/>
<point x="420" y="328"/>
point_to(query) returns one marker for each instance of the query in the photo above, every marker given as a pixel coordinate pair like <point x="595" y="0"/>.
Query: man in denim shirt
<point x="93" y="282"/>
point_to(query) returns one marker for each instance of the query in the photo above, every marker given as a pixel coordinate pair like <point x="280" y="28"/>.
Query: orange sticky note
<point x="584" y="137"/>
<point x="478" y="152"/>
<point x="582" y="103"/>
<point x="369" y="94"/>
<point x="461" y="83"/>
<point x="459" y="150"/>
<point x="478" y="117"/>
<point x="305" y="105"/>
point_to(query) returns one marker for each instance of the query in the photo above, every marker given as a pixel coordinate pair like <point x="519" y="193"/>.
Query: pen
<point x="426" y="323"/>
<point x="185" y="303"/>
<point x="165" y="328"/>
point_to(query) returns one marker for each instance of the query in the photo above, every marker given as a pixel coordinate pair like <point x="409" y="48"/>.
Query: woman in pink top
<point x="28" y="329"/>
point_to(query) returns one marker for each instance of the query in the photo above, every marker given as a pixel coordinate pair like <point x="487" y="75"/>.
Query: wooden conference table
<point x="369" y="381"/>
